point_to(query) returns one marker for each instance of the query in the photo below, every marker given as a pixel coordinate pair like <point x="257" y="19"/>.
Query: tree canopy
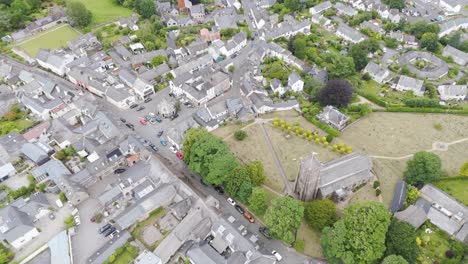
<point x="394" y="259"/>
<point x="235" y="178"/>
<point x="423" y="168"/>
<point x="320" y="213"/>
<point x="430" y="41"/>
<point x="256" y="172"/>
<point x="398" y="4"/>
<point x="337" y="93"/>
<point x="401" y="240"/>
<point x="191" y="136"/>
<point x="341" y="67"/>
<point x="258" y="200"/>
<point x="358" y="237"/>
<point x="419" y="28"/>
<point x="283" y="218"/>
<point x="145" y="8"/>
<point x="77" y="14"/>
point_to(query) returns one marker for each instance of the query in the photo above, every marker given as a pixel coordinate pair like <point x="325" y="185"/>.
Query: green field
<point x="105" y="10"/>
<point x="54" y="38"/>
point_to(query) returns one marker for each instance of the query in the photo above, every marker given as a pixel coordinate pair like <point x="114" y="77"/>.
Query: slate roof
<point x="399" y="196"/>
<point x="452" y="90"/>
<point x="414" y="215"/>
<point x="458" y="56"/>
<point x="34" y="153"/>
<point x="331" y="115"/>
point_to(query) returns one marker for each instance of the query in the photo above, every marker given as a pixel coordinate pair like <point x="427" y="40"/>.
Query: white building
<point x="406" y="83"/>
<point x="295" y="82"/>
<point x="451" y="6"/>
<point x="452" y="92"/>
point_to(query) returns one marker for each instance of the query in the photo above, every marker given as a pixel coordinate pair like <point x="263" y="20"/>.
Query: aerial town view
<point x="234" y="131"/>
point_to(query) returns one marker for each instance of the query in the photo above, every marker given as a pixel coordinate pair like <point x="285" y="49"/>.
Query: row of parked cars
<point x="108" y="230"/>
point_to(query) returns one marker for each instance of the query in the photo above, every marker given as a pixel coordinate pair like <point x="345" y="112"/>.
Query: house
<point x="38" y="131"/>
<point x="451" y="7"/>
<point x="10" y="146"/>
<point x="6" y="171"/>
<point x="440" y="209"/>
<point x="136" y="48"/>
<point x="349" y="34"/>
<point x="394" y="15"/>
<point x="405" y="83"/>
<point x="453" y="25"/>
<point x="123" y="52"/>
<point x="333" y="117"/>
<point x="210" y="116"/>
<point x="343" y="9"/>
<point x="277" y="87"/>
<point x="452" y="92"/>
<point x="54" y="61"/>
<point x="295" y="83"/>
<point x="208" y="36"/>
<point x="378" y="73"/>
<point x="38" y="153"/>
<point x="176" y="134"/>
<point x="87" y="43"/>
<point x="88" y="79"/>
<point x="262" y="104"/>
<point x="458" y="56"/>
<point x="235" y="44"/>
<point x="142" y="88"/>
<point x="335" y="179"/>
<point x="289" y="28"/>
<point x="198" y="12"/>
<point x="120" y="97"/>
<point x="322" y="7"/>
<point x="130" y="22"/>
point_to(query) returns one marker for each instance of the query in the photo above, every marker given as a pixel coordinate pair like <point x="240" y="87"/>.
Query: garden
<point x="106" y="10"/>
<point x="15" y="120"/>
<point x="147" y="226"/>
<point x="123" y="255"/>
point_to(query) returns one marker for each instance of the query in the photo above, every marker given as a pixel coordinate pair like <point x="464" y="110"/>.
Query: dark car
<point x="104" y="228"/>
<point x="265" y="232"/>
<point x="141" y="108"/>
<point x="186" y="103"/>
<point x="132" y="127"/>
<point x="239" y="209"/>
<point x="160" y="133"/>
<point x="218" y="189"/>
<point x="109" y="231"/>
<point x="123" y="120"/>
<point x="133" y="106"/>
<point x="154" y="148"/>
<point x="148" y="100"/>
<point x="119" y="170"/>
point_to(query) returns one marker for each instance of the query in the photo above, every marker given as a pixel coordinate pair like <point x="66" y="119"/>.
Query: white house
<point x="235" y="44"/>
<point x="322" y="7"/>
<point x="406" y="83"/>
<point x="277" y="87"/>
<point x="350" y="34"/>
<point x="120" y="97"/>
<point x="54" y="61"/>
<point x="378" y="73"/>
<point x="295" y="82"/>
<point x="452" y="92"/>
<point x="451" y="6"/>
<point x="458" y="56"/>
<point x="453" y="25"/>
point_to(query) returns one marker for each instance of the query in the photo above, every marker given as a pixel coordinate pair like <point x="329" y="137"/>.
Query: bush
<point x="299" y="246"/>
<point x="330" y="138"/>
<point x="240" y="135"/>
<point x="378" y="192"/>
<point x="62" y="197"/>
<point x="422" y="102"/>
<point x="376" y="184"/>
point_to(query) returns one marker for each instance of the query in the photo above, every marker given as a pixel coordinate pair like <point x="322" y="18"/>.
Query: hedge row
<point x="373" y="98"/>
<point x="328" y="129"/>
<point x="427" y="110"/>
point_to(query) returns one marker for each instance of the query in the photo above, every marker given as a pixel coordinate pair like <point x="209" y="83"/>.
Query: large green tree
<point x="235" y="179"/>
<point x="256" y="172"/>
<point x="419" y="28"/>
<point x="77" y="14"/>
<point x="293" y="5"/>
<point x="398" y="4"/>
<point x="245" y="191"/>
<point x="423" y="168"/>
<point x="394" y="259"/>
<point x="145" y="8"/>
<point x="191" y="136"/>
<point x="258" y="200"/>
<point x="430" y="41"/>
<point x="320" y="213"/>
<point x="283" y="218"/>
<point x="341" y="67"/>
<point x="358" y="237"/>
<point x="219" y="167"/>
<point x="401" y="240"/>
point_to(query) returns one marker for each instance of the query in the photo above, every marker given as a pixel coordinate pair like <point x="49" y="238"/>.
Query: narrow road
<point x="287" y="187"/>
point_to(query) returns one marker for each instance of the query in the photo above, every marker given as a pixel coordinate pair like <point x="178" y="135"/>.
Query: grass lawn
<point x="388" y="172"/>
<point x="311" y="240"/>
<point x="366" y="193"/>
<point x="456" y="188"/>
<point x="254" y="147"/>
<point x="54" y="38"/>
<point x="125" y="258"/>
<point x="106" y="10"/>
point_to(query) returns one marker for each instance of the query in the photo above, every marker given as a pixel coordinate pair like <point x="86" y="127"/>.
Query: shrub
<point x="449" y="254"/>
<point x="299" y="246"/>
<point x="62" y="197"/>
<point x="240" y="135"/>
<point x="378" y="192"/>
<point x="422" y="102"/>
<point x="376" y="184"/>
<point x="330" y="138"/>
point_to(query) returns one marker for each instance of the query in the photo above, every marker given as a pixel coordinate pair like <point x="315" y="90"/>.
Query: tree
<point x="336" y="93"/>
<point x="245" y="190"/>
<point x="464" y="169"/>
<point x="158" y="60"/>
<point x="299" y="46"/>
<point x="256" y="172"/>
<point x="394" y="259"/>
<point x="320" y="213"/>
<point x="398" y="4"/>
<point x="359" y="54"/>
<point x="341" y="67"/>
<point x="77" y="14"/>
<point x="69" y="221"/>
<point x="145" y="8"/>
<point x="283" y="218"/>
<point x="293" y="5"/>
<point x="191" y="136"/>
<point x="235" y="178"/>
<point x="62" y="197"/>
<point x="423" y="168"/>
<point x="231" y="68"/>
<point x="240" y="135"/>
<point x="430" y="41"/>
<point x="412" y="194"/>
<point x="219" y="167"/>
<point x="258" y="200"/>
<point x="419" y="28"/>
<point x="358" y="237"/>
<point x="401" y="240"/>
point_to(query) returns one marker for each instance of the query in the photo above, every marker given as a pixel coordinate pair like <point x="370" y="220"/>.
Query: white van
<point x="277" y="255"/>
<point x="59" y="203"/>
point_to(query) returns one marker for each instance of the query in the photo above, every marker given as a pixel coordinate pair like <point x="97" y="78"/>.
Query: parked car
<point x="239" y="209"/>
<point x="160" y="133"/>
<point x="249" y="217"/>
<point x="148" y="100"/>
<point x="77" y="220"/>
<point x="163" y="141"/>
<point x="231" y="201"/>
<point x="131" y="126"/>
<point x="123" y="120"/>
<point x="147" y="117"/>
<point x="104" y="228"/>
<point x="158" y="119"/>
<point x="173" y="149"/>
<point x="143" y="122"/>
<point x="219" y="189"/>
<point x="119" y="171"/>
<point x="113" y="234"/>
<point x="179" y="155"/>
<point x="109" y="231"/>
<point x="51" y="216"/>
<point x="264" y="231"/>
<point x="277" y="255"/>
<point x="141" y="107"/>
<point x="154" y="148"/>
<point x="133" y="106"/>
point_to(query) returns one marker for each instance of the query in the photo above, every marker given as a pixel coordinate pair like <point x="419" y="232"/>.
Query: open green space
<point x="455" y="187"/>
<point x="433" y="245"/>
<point x="15" y="120"/>
<point x="105" y="10"/>
<point x="311" y="240"/>
<point x="53" y="38"/>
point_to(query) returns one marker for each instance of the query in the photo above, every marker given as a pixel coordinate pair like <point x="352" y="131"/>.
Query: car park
<point x="104" y="228"/>
<point x="148" y="100"/>
<point x="119" y="171"/>
<point x="218" y="189"/>
<point x="141" y="107"/>
<point x="249" y="217"/>
<point x="277" y="255"/>
<point x="231" y="201"/>
<point x="109" y="231"/>
<point x="179" y="155"/>
<point x="239" y="209"/>
<point x="77" y="220"/>
<point x="264" y="231"/>
<point x="143" y="122"/>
